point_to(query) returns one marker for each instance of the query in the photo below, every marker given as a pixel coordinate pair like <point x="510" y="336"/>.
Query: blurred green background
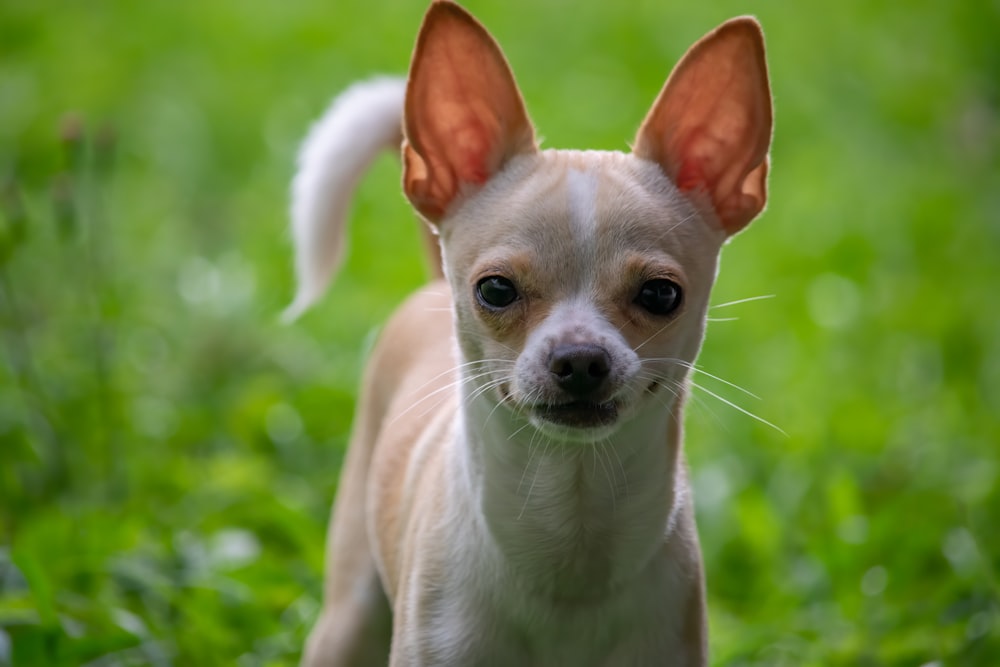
<point x="168" y="451"/>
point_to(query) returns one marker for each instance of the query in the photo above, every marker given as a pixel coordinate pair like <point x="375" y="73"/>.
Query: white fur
<point x="581" y="199"/>
<point x="359" y="124"/>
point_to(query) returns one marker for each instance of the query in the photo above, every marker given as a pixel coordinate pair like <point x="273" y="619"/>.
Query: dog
<point x="515" y="491"/>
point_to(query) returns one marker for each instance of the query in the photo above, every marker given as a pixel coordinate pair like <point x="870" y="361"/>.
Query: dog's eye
<point x="496" y="292"/>
<point x="659" y="297"/>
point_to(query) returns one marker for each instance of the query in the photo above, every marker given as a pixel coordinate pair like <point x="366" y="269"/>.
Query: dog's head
<point x="581" y="278"/>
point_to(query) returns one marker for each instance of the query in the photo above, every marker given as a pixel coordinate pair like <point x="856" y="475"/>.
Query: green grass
<point x="168" y="451"/>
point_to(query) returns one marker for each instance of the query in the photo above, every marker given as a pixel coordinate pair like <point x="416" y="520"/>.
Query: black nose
<point x="580" y="370"/>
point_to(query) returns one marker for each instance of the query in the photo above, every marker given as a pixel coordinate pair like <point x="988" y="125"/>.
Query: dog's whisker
<point x="521" y="407"/>
<point x="461" y="380"/>
<point x="735" y="386"/>
<point x="748" y="299"/>
<point x="593" y="467"/>
<point x="505" y="399"/>
<point x="675" y="388"/>
<point x="534" y="477"/>
<point x="657" y="333"/>
<point x="608" y="475"/>
<point x="701" y="404"/>
<point x="520" y="429"/>
<point x="738" y="407"/>
<point x="477" y="334"/>
<point x="621" y="467"/>
<point x="457" y="368"/>
<point x="486" y="387"/>
<point x="701" y="371"/>
<point x="682" y="221"/>
<point x="531" y="457"/>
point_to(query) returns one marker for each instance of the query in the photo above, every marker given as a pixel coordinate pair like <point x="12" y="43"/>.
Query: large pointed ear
<point x="710" y="128"/>
<point x="464" y="117"/>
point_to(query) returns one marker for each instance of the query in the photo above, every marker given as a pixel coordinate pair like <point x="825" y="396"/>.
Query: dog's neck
<point x="573" y="521"/>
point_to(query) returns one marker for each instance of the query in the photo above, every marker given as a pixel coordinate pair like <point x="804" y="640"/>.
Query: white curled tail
<point x="363" y="121"/>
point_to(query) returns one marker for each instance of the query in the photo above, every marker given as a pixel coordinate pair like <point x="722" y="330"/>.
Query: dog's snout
<point x="580" y="369"/>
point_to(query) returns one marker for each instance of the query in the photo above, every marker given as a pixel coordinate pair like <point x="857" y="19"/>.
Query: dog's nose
<point x="580" y="370"/>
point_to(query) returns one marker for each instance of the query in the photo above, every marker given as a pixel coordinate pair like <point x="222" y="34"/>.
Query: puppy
<point x="515" y="491"/>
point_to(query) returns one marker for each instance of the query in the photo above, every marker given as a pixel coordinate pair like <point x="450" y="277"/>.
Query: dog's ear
<point x="464" y="116"/>
<point x="710" y="127"/>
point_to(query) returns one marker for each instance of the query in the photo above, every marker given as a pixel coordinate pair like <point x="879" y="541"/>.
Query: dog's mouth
<point x="579" y="414"/>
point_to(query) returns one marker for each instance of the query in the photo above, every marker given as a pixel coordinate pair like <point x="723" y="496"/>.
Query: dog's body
<point x="515" y="491"/>
<point x="568" y="572"/>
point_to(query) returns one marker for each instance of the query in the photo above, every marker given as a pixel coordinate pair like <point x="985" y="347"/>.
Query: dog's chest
<point x="557" y="589"/>
<point x="494" y="622"/>
<point x="575" y="527"/>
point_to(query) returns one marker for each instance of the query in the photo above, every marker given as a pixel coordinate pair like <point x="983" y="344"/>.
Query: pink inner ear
<point x="472" y="154"/>
<point x="691" y="176"/>
<point x="464" y="130"/>
<point x="464" y="116"/>
<point x="710" y="127"/>
<point x="696" y="165"/>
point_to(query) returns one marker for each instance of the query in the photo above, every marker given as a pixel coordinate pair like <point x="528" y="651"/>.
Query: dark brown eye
<point x="496" y="292"/>
<point x="659" y="297"/>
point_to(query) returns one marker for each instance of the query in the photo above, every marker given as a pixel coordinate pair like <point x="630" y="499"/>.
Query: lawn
<point x="169" y="450"/>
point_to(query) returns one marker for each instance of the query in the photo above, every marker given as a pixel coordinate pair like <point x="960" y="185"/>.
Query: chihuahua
<point x="515" y="491"/>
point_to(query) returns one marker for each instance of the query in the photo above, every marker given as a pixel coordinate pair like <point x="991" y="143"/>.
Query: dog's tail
<point x="362" y="122"/>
